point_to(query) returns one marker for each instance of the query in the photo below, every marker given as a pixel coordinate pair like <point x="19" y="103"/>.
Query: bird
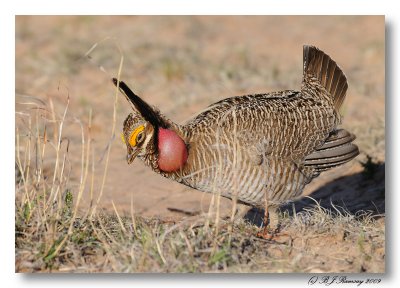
<point x="258" y="149"/>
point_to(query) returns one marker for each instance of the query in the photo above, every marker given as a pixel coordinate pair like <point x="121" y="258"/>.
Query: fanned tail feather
<point x="320" y="66"/>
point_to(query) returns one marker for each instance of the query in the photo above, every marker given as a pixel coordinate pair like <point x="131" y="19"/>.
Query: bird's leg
<point x="270" y="231"/>
<point x="265" y="233"/>
<point x="274" y="224"/>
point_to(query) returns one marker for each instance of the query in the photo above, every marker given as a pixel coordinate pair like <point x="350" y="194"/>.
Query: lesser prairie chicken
<point x="260" y="149"/>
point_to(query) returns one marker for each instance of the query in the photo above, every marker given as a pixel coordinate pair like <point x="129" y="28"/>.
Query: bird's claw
<point x="276" y="236"/>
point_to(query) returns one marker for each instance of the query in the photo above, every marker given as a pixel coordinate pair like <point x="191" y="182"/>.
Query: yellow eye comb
<point x="132" y="137"/>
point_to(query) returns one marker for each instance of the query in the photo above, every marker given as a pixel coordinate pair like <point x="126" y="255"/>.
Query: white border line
<point x="176" y="7"/>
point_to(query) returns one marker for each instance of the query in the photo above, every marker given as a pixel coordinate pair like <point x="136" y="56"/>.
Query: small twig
<point x="112" y="129"/>
<point x="119" y="218"/>
<point x="133" y="217"/>
<point x="189" y="213"/>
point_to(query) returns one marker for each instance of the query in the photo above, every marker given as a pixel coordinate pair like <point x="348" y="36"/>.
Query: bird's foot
<point x="265" y="234"/>
<point x="275" y="236"/>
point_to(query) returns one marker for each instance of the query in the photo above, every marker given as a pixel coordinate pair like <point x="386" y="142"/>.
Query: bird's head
<point x="137" y="134"/>
<point x="150" y="136"/>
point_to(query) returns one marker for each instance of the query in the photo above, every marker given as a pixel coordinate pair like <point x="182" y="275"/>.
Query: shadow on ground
<point x="357" y="194"/>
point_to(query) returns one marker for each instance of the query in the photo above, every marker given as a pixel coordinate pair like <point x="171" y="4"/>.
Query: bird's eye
<point x="136" y="136"/>
<point x="139" y="137"/>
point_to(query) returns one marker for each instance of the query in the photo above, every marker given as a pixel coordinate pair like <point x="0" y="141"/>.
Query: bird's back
<point x="272" y="143"/>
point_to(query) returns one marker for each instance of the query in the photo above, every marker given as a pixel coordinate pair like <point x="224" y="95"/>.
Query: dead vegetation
<point x="319" y="242"/>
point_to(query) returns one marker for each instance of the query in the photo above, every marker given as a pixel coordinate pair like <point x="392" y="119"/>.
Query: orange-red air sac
<point x="172" y="151"/>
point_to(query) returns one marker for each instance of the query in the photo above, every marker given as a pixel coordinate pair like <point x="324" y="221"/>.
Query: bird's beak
<point x="131" y="156"/>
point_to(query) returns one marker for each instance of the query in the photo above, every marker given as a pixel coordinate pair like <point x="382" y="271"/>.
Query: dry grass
<point x="107" y="243"/>
<point x="54" y="234"/>
<point x="104" y="245"/>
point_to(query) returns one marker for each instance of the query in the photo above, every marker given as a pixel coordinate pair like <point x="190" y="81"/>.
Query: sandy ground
<point x="183" y="64"/>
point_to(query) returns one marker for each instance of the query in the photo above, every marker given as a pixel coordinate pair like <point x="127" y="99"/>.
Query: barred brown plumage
<point x="259" y="149"/>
